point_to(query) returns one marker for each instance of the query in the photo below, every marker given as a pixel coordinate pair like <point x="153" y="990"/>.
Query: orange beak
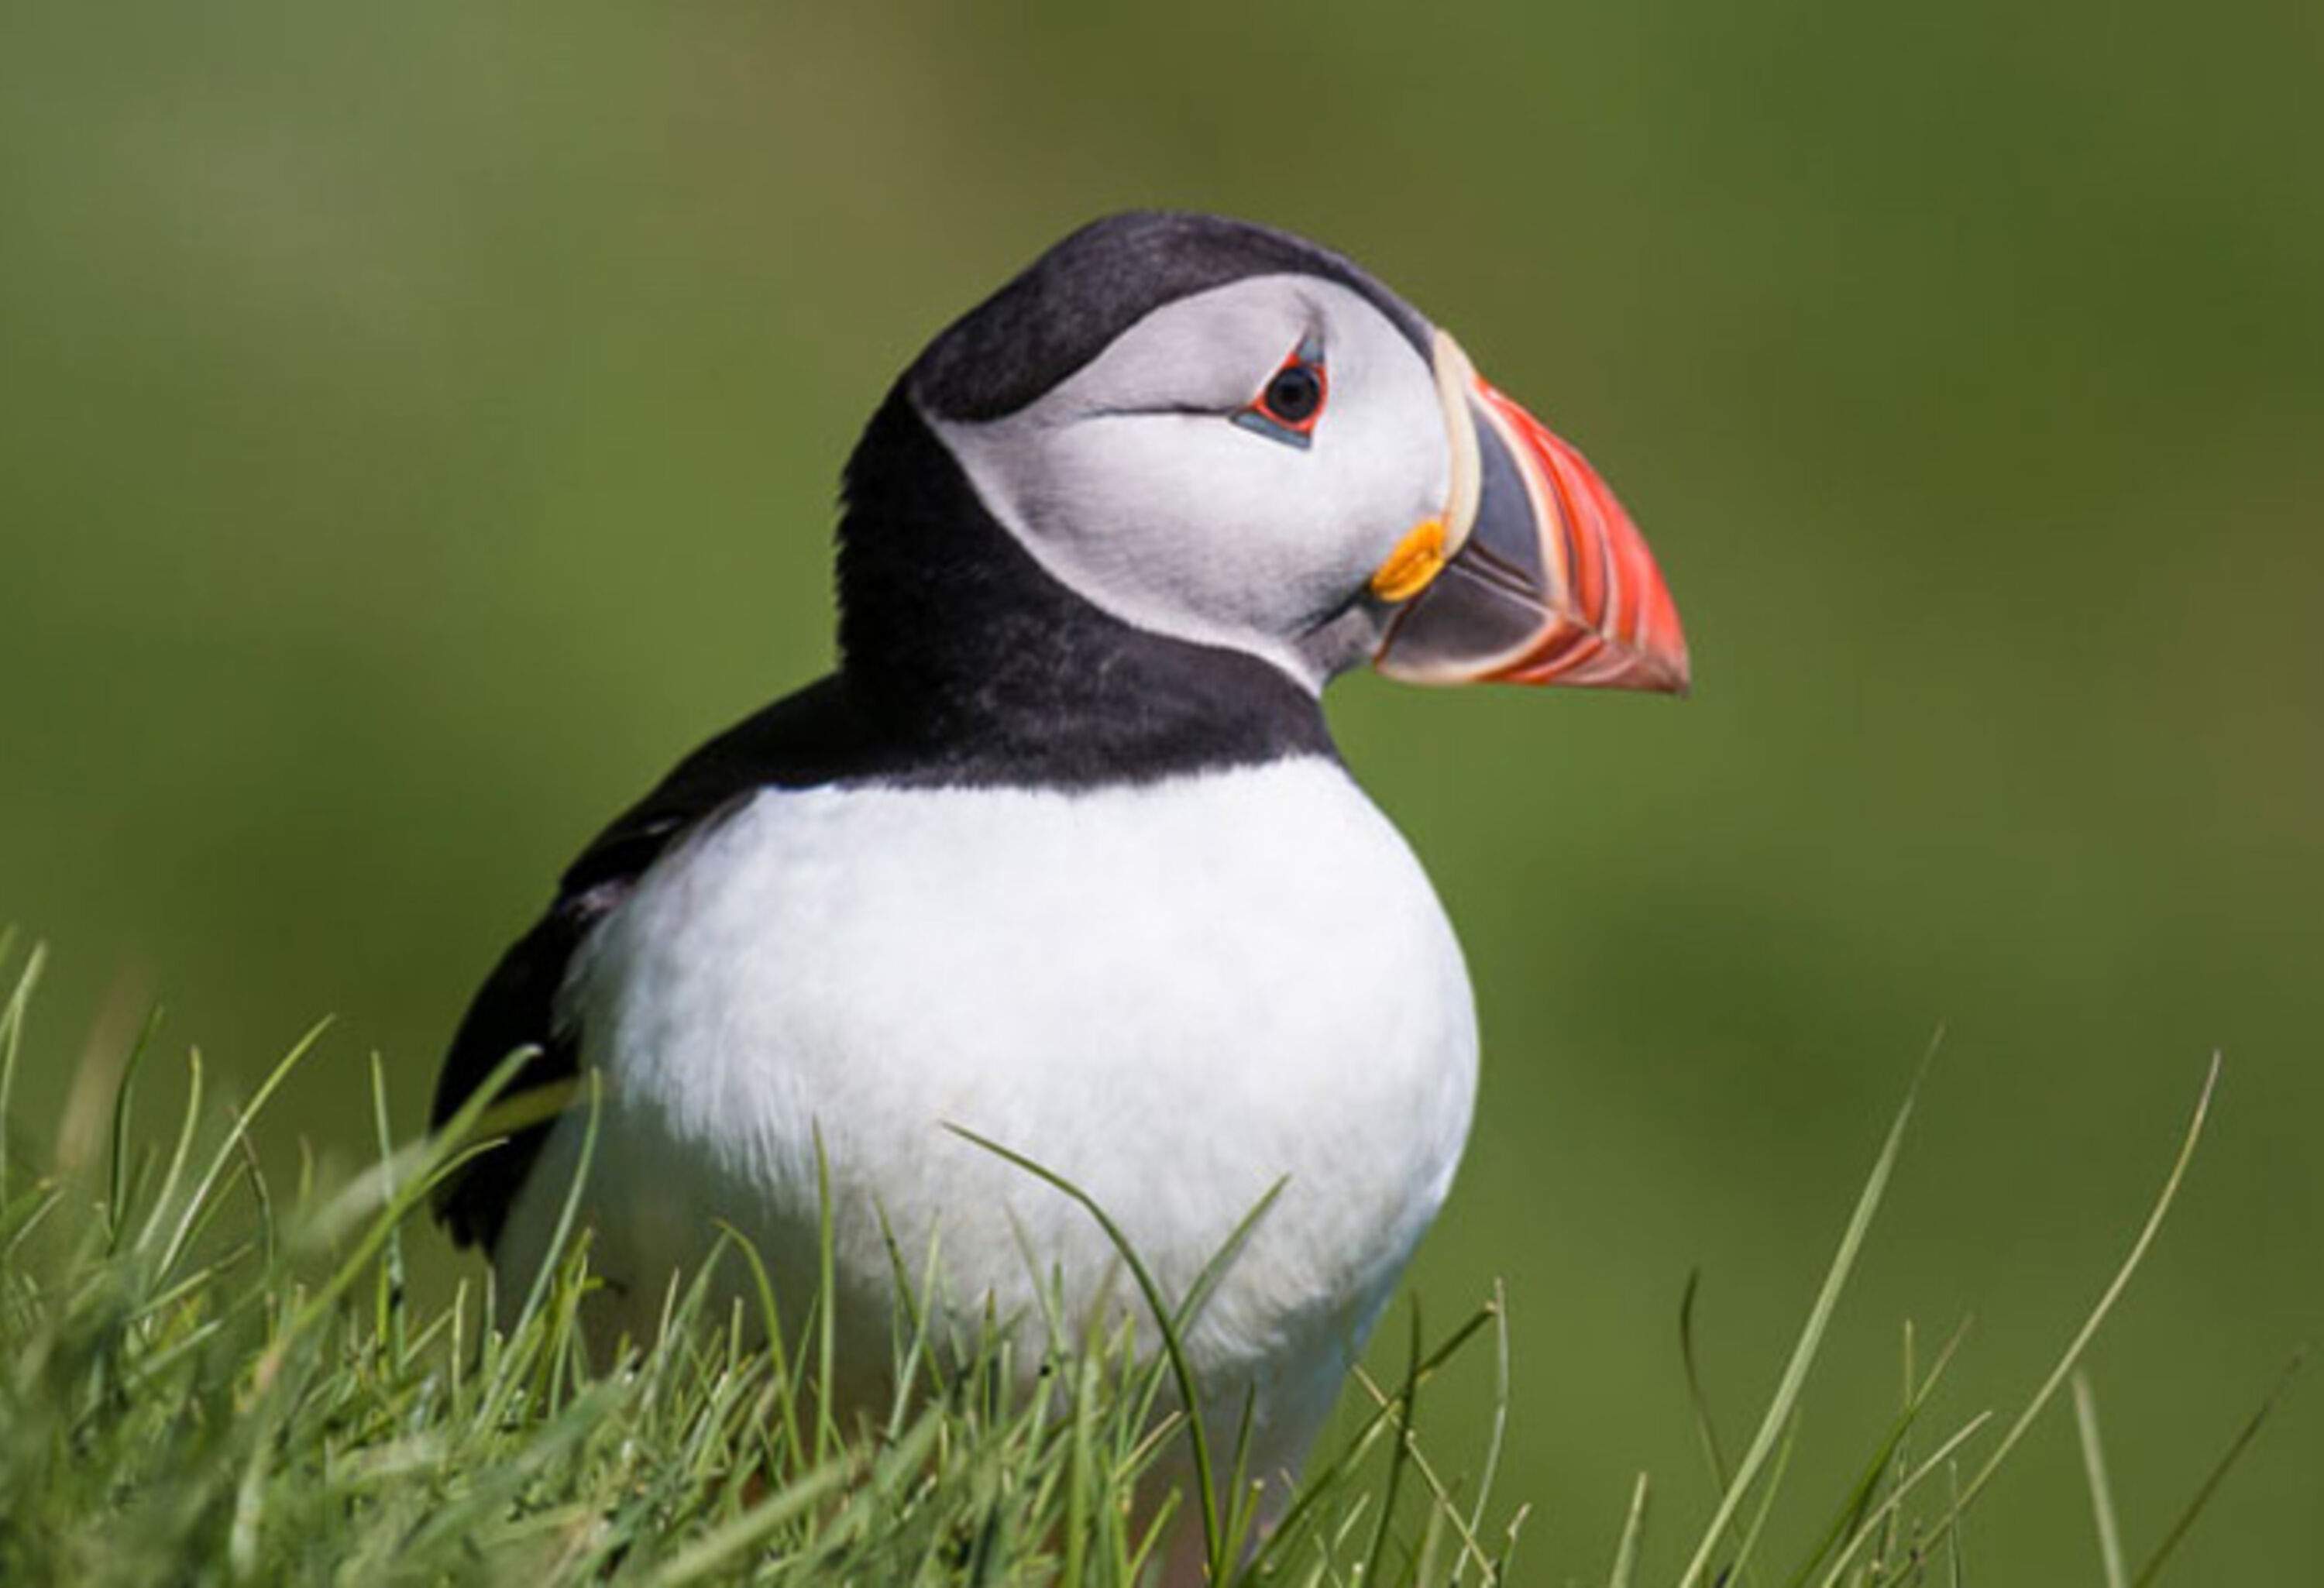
<point x="1543" y="579"/>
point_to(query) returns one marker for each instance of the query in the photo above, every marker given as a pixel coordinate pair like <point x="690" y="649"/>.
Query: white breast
<point x="1173" y="995"/>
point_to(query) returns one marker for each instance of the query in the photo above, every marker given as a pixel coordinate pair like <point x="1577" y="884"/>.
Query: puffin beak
<point x="1535" y="575"/>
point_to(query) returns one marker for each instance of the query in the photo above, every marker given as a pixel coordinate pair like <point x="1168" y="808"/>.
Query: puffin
<point x="1060" y="858"/>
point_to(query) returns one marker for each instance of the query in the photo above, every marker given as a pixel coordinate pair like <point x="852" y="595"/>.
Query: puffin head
<point x="1218" y="433"/>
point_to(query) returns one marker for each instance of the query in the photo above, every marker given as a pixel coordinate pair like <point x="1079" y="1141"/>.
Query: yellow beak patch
<point x="1416" y="560"/>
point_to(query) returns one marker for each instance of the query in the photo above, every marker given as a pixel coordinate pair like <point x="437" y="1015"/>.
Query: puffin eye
<point x="1294" y="396"/>
<point x="1288" y="407"/>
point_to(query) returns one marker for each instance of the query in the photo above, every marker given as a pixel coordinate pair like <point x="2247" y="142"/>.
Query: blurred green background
<point x="419" y="424"/>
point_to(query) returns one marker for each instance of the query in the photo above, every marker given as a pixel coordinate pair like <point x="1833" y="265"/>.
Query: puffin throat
<point x="963" y="646"/>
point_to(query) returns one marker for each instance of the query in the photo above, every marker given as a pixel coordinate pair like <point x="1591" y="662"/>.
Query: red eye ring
<point x="1291" y="403"/>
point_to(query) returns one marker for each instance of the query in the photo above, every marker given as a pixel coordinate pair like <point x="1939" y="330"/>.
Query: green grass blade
<point x="187" y="1120"/>
<point x="1181" y="1372"/>
<point x="1956" y="1550"/>
<point x="124" y="1091"/>
<point x="1895" y="1497"/>
<point x="244" y="1120"/>
<point x="1738" y="1568"/>
<point x="1206" y="1280"/>
<point x="1850" y="1519"/>
<point x="770" y="1319"/>
<point x="569" y="1213"/>
<point x="1634" y="1532"/>
<point x="1498" y="1437"/>
<point x="706" y="1554"/>
<point x="1338" y="1471"/>
<point x="1439" y="1493"/>
<point x="387" y="1311"/>
<point x="1398" y="1453"/>
<point x="2112" y="1294"/>
<point x="2217" y="1475"/>
<point x="12" y="1034"/>
<point x="826" y="1305"/>
<point x="2086" y="1425"/>
<point x="1810" y="1341"/>
<point x="1706" y="1429"/>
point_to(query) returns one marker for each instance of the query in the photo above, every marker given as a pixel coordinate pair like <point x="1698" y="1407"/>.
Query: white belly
<point x="1173" y="996"/>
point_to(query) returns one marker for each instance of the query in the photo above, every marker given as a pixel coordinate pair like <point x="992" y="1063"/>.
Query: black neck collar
<point x="966" y="656"/>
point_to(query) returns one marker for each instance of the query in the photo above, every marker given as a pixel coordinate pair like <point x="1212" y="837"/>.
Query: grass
<point x="208" y="1378"/>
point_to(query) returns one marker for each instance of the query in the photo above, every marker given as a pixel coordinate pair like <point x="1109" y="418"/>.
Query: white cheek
<point x="1216" y="523"/>
<point x="1187" y="525"/>
<point x="1387" y="465"/>
<point x="1234" y="527"/>
<point x="1175" y="358"/>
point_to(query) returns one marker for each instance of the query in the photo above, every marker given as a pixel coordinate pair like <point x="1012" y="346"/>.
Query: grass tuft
<point x="209" y="1380"/>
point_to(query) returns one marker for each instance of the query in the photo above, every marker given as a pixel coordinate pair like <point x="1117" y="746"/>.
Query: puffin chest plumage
<point x="1172" y="993"/>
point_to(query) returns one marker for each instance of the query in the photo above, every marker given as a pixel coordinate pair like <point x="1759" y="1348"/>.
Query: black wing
<point x="815" y="737"/>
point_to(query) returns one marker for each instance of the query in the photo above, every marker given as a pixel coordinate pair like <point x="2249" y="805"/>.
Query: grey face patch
<point x="1073" y="301"/>
<point x="1136" y="482"/>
